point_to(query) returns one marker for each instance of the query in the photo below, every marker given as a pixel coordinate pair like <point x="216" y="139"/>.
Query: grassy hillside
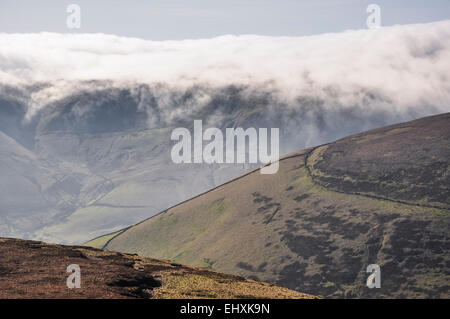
<point x="30" y="269"/>
<point x="101" y="241"/>
<point x="316" y="225"/>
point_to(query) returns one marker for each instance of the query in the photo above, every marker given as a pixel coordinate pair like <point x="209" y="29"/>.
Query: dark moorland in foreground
<point x="31" y="269"/>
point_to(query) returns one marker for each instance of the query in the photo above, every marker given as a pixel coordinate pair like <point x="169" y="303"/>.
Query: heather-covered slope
<point x="31" y="269"/>
<point x="307" y="233"/>
<point x="406" y="162"/>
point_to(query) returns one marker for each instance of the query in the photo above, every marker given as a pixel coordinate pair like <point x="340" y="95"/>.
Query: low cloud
<point x="394" y="72"/>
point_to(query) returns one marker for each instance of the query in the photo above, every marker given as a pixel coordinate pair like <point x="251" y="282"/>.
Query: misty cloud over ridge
<point x="405" y="66"/>
<point x="375" y="77"/>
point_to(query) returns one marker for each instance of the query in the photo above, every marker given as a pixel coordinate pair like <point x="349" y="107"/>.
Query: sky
<point x="193" y="19"/>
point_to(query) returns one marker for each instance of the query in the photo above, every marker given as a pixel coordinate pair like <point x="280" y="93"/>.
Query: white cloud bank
<point x="402" y="66"/>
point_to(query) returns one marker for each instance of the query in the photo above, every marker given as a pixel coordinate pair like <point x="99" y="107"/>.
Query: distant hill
<point x="379" y="197"/>
<point x="31" y="269"/>
<point x="97" y="158"/>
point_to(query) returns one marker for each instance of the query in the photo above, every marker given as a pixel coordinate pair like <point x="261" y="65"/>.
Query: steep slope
<point x="92" y="162"/>
<point x="30" y="269"/>
<point x="33" y="192"/>
<point x="295" y="230"/>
